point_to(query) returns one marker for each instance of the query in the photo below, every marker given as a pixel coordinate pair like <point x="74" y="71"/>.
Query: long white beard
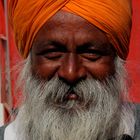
<point x="99" y="115"/>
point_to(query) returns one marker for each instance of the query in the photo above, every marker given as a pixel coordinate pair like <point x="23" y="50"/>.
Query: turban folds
<point x="111" y="16"/>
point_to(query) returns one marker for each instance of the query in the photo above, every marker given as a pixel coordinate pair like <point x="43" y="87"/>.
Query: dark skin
<point x="73" y="49"/>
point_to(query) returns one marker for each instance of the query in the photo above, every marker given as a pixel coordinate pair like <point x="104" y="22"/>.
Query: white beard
<point x="99" y="115"/>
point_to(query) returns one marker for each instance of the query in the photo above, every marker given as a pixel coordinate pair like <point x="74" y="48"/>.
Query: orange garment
<point x="111" y="16"/>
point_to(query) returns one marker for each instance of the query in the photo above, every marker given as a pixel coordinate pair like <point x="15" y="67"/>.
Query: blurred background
<point x="9" y="57"/>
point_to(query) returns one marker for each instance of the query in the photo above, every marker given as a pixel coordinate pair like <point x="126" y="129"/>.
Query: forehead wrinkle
<point x="69" y="29"/>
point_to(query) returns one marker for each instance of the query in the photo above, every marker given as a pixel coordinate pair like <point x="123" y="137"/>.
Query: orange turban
<point x="111" y="16"/>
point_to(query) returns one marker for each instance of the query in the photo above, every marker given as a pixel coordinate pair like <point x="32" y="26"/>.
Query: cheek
<point x="102" y="69"/>
<point x="43" y="68"/>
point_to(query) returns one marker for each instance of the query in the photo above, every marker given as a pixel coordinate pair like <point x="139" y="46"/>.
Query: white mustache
<point x="55" y="92"/>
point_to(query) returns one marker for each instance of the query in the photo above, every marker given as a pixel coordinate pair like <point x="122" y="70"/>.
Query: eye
<point x="92" y="55"/>
<point x="51" y="53"/>
<point x="52" y="49"/>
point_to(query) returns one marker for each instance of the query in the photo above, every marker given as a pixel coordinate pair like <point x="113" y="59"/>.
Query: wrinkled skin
<point x="71" y="48"/>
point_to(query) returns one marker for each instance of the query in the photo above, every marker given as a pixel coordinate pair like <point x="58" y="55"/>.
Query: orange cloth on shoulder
<point x="111" y="16"/>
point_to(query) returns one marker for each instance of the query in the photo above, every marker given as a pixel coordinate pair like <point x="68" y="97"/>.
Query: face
<point x="75" y="99"/>
<point x="71" y="48"/>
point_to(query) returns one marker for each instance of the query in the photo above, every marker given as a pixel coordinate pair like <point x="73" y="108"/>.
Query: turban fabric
<point x="111" y="16"/>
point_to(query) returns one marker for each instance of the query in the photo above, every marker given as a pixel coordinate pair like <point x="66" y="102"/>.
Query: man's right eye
<point x="50" y="54"/>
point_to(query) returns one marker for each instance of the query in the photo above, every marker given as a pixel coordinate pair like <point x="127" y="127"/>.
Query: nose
<point x="71" y="70"/>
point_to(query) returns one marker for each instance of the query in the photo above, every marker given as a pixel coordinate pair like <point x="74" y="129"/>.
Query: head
<point x="74" y="83"/>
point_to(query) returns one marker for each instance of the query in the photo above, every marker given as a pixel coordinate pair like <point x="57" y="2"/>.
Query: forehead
<point x="68" y="27"/>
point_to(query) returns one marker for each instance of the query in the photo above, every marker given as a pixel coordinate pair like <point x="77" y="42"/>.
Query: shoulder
<point x="2" y="130"/>
<point x="137" y="124"/>
<point x="137" y="106"/>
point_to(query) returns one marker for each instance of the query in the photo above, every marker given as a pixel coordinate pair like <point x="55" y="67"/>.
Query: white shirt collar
<point x="9" y="133"/>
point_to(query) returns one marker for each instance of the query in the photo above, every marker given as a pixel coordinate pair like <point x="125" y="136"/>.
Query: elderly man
<point x="74" y="81"/>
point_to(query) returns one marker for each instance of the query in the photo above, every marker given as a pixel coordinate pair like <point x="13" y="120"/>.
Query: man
<point x="74" y="81"/>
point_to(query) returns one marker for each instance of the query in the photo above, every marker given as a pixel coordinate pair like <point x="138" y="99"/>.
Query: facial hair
<point x="100" y="114"/>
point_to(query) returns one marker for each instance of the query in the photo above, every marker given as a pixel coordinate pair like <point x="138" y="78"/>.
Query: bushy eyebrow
<point x="104" y="48"/>
<point x="57" y="44"/>
<point x="92" y="45"/>
<point x="86" y="45"/>
<point x="45" y="44"/>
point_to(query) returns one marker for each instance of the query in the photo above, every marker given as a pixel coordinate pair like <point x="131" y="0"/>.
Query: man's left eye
<point x="91" y="56"/>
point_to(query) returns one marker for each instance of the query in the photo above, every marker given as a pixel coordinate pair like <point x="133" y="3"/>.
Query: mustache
<point x="56" y="92"/>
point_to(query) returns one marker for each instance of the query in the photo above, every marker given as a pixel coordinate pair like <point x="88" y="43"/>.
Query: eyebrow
<point x="99" y="47"/>
<point x="93" y="45"/>
<point x="79" y="48"/>
<point x="47" y="43"/>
